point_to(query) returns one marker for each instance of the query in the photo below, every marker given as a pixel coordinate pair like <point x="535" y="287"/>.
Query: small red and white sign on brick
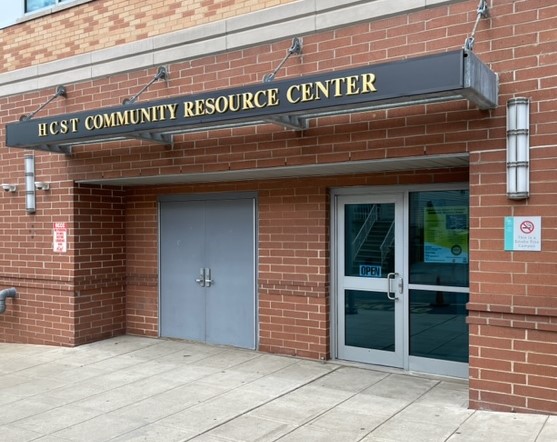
<point x="60" y="238"/>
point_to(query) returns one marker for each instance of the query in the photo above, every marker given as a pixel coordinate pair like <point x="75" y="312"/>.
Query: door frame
<point x="376" y="285"/>
<point x="213" y="196"/>
<point x="410" y="363"/>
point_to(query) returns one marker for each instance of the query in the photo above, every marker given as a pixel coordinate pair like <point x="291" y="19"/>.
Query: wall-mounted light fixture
<point x="9" y="187"/>
<point x="518" y="148"/>
<point x="30" y="203"/>
<point x="41" y="185"/>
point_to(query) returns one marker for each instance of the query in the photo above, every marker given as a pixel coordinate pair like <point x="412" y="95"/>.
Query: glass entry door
<point x="402" y="278"/>
<point x="371" y="292"/>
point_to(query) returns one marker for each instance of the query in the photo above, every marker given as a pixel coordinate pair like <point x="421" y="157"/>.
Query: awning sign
<point x="60" y="238"/>
<point x="446" y="235"/>
<point x="523" y="233"/>
<point x="290" y="102"/>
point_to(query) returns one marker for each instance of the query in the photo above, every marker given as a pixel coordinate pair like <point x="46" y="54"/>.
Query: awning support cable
<point x="296" y="48"/>
<point x="162" y="74"/>
<point x="483" y="12"/>
<point x="60" y="92"/>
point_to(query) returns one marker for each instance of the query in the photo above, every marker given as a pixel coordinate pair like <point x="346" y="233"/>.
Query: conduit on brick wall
<point x="6" y="293"/>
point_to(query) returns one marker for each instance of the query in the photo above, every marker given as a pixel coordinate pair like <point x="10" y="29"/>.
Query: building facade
<point x="368" y="181"/>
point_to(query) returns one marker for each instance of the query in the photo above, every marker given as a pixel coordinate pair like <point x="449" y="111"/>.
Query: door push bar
<point x="390" y="292"/>
<point x="204" y="279"/>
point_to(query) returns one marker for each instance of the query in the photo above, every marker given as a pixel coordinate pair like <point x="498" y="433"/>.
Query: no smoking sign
<point x="527" y="227"/>
<point x="523" y="233"/>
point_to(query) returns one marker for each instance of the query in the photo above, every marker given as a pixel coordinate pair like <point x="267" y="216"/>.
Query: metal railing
<point x="360" y="238"/>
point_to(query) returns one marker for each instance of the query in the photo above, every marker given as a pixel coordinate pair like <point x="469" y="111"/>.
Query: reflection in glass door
<point x="438" y="275"/>
<point x="370" y="282"/>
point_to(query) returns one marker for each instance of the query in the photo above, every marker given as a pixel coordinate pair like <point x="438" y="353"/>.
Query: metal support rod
<point x="60" y="92"/>
<point x="296" y="48"/>
<point x="483" y="12"/>
<point x="162" y="74"/>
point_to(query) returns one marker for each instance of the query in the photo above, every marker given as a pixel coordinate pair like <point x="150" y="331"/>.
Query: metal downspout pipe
<point x="6" y="293"/>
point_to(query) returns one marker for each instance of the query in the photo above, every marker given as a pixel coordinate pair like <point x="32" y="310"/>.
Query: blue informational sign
<point x="369" y="271"/>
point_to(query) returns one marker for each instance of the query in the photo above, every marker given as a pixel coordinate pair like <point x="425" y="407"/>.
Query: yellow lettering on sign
<point x="173" y="109"/>
<point x="43" y="131"/>
<point x="221" y="104"/>
<point x="89" y="123"/>
<point x="53" y="128"/>
<point x="272" y="97"/>
<point x="61" y="127"/>
<point x="337" y="84"/>
<point x="235" y="102"/>
<point x="74" y="122"/>
<point x="352" y="85"/>
<point x="188" y="109"/>
<point x="367" y="83"/>
<point x="334" y="87"/>
<point x="121" y="119"/>
<point x="293" y="94"/>
<point x="243" y="101"/>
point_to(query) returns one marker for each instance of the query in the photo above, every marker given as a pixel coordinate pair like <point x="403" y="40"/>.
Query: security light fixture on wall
<point x="41" y="185"/>
<point x="9" y="187"/>
<point x="518" y="148"/>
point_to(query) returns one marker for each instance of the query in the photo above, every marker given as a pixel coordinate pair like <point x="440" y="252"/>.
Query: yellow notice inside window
<point x="446" y="235"/>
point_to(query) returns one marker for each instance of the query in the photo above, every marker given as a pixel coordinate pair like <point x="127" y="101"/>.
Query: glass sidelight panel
<point x="438" y="273"/>
<point x="369" y="240"/>
<point x="438" y="326"/>
<point x="369" y="320"/>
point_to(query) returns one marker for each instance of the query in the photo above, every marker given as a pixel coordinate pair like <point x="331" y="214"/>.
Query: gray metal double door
<point x="207" y="271"/>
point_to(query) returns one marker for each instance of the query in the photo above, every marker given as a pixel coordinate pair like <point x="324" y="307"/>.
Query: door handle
<point x="201" y="280"/>
<point x="208" y="280"/>
<point x="204" y="279"/>
<point x="390" y="293"/>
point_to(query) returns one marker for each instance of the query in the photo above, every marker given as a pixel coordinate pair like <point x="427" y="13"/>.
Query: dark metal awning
<point x="290" y="103"/>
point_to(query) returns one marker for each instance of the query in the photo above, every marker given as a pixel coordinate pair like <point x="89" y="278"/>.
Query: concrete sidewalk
<point x="141" y="389"/>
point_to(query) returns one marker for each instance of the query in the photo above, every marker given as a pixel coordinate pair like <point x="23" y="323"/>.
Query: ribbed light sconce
<point x="518" y="148"/>
<point x="30" y="202"/>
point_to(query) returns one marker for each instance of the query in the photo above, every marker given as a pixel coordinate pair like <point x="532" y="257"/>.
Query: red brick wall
<point x="293" y="268"/>
<point x="100" y="263"/>
<point x="513" y="307"/>
<point x="513" y="295"/>
<point x="43" y="310"/>
<point x="142" y="262"/>
<point x="39" y="314"/>
<point x="65" y="298"/>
